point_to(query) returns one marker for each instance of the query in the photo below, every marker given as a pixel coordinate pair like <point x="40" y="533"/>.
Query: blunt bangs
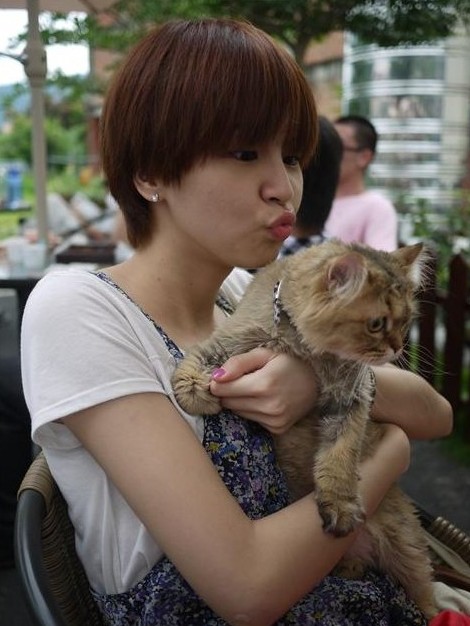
<point x="245" y="91"/>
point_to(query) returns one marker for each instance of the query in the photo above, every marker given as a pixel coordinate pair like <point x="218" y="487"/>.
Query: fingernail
<point x="218" y="373"/>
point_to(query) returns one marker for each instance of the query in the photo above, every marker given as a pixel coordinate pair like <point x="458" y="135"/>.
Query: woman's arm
<point x="407" y="400"/>
<point x="249" y="572"/>
<point x="277" y="390"/>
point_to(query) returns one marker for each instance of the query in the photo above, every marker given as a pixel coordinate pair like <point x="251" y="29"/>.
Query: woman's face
<point x="238" y="207"/>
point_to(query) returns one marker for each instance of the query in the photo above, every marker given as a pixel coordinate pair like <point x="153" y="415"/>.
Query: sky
<point x="70" y="59"/>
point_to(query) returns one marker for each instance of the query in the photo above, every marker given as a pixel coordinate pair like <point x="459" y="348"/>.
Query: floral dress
<point x="243" y="454"/>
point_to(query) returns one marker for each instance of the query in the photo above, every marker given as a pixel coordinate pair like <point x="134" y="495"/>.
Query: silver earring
<point x="155" y="197"/>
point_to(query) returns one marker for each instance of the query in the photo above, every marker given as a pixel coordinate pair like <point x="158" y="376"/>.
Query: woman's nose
<point x="278" y="185"/>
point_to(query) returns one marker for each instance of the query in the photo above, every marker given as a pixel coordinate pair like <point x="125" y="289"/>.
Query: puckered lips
<point x="281" y="228"/>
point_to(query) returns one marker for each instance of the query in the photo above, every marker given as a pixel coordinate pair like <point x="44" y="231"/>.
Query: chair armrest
<point x="40" y="600"/>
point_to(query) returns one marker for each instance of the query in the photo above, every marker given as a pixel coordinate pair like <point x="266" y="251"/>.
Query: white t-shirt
<point x="84" y="342"/>
<point x="367" y="217"/>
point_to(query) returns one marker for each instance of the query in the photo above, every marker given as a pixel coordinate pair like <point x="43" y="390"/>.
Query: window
<point x="397" y="107"/>
<point x="398" y="68"/>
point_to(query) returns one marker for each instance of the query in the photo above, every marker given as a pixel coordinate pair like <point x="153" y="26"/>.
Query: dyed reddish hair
<point x="191" y="90"/>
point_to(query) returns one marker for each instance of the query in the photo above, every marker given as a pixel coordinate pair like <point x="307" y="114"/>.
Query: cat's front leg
<point x="192" y="376"/>
<point x="191" y="381"/>
<point x="336" y="472"/>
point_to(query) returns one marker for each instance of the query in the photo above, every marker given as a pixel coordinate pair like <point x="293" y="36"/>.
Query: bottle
<point x="14" y="180"/>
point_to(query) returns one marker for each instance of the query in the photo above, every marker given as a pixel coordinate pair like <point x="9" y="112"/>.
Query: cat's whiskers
<point x="428" y="362"/>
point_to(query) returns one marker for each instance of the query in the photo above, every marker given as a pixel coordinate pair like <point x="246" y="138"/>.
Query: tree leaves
<point x="295" y="22"/>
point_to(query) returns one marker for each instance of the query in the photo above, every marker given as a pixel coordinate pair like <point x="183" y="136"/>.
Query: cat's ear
<point x="347" y="274"/>
<point x="413" y="258"/>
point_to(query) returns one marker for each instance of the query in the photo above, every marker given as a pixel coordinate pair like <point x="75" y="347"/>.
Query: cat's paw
<point x="350" y="568"/>
<point x="340" y="517"/>
<point x="191" y="388"/>
<point x="353" y="569"/>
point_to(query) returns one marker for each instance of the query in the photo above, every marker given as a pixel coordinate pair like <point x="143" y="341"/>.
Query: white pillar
<point x="35" y="64"/>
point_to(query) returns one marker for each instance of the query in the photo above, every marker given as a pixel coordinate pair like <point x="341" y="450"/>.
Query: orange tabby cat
<point x="341" y="308"/>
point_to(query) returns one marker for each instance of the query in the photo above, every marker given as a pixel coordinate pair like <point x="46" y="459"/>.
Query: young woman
<point x="180" y="519"/>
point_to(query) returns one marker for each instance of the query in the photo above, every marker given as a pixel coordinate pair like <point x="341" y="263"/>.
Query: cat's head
<point x="352" y="300"/>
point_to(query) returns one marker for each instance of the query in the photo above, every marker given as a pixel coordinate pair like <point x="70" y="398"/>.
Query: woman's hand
<point x="275" y="390"/>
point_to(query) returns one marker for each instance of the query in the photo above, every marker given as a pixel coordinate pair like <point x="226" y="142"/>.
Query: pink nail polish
<point x="218" y="373"/>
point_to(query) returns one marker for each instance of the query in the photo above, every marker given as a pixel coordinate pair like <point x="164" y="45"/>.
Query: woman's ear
<point x="147" y="189"/>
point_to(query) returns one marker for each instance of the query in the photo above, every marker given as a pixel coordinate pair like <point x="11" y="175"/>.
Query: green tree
<point x="64" y="145"/>
<point x="295" y="22"/>
<point x="65" y="124"/>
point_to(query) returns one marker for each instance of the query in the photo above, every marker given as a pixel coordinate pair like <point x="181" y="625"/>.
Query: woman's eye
<point x="244" y="155"/>
<point x="375" y="325"/>
<point x="291" y="160"/>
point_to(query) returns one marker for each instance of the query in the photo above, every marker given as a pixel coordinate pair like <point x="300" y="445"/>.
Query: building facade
<point x="418" y="97"/>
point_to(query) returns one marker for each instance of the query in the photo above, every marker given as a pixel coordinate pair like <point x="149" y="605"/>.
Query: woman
<point x="181" y="520"/>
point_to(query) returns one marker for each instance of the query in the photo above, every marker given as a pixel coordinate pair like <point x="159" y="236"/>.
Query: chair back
<point x="53" y="579"/>
<point x="449" y="548"/>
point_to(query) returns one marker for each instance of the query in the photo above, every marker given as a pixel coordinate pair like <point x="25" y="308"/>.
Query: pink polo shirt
<point x="368" y="217"/>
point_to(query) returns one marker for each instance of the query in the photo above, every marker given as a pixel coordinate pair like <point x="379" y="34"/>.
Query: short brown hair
<point x="191" y="90"/>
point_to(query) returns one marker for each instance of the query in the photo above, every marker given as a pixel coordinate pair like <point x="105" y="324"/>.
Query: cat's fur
<point x="340" y="308"/>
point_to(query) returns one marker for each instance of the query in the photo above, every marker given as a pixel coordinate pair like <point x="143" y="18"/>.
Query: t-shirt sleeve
<point x="79" y="348"/>
<point x="235" y="285"/>
<point x="381" y="231"/>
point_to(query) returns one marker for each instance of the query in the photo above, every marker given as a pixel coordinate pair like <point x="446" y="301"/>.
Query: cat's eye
<point x="376" y="324"/>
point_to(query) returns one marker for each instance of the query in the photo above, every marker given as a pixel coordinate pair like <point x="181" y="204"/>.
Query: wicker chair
<point x="456" y="540"/>
<point x="52" y="577"/>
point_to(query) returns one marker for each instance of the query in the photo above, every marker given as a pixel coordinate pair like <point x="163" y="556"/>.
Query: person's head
<point x="320" y="180"/>
<point x="192" y="90"/>
<point x="359" y="139"/>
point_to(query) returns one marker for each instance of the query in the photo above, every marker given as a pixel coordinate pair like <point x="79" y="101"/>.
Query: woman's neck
<point x="178" y="296"/>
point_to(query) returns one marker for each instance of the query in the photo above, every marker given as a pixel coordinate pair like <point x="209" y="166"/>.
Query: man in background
<point x="358" y="214"/>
